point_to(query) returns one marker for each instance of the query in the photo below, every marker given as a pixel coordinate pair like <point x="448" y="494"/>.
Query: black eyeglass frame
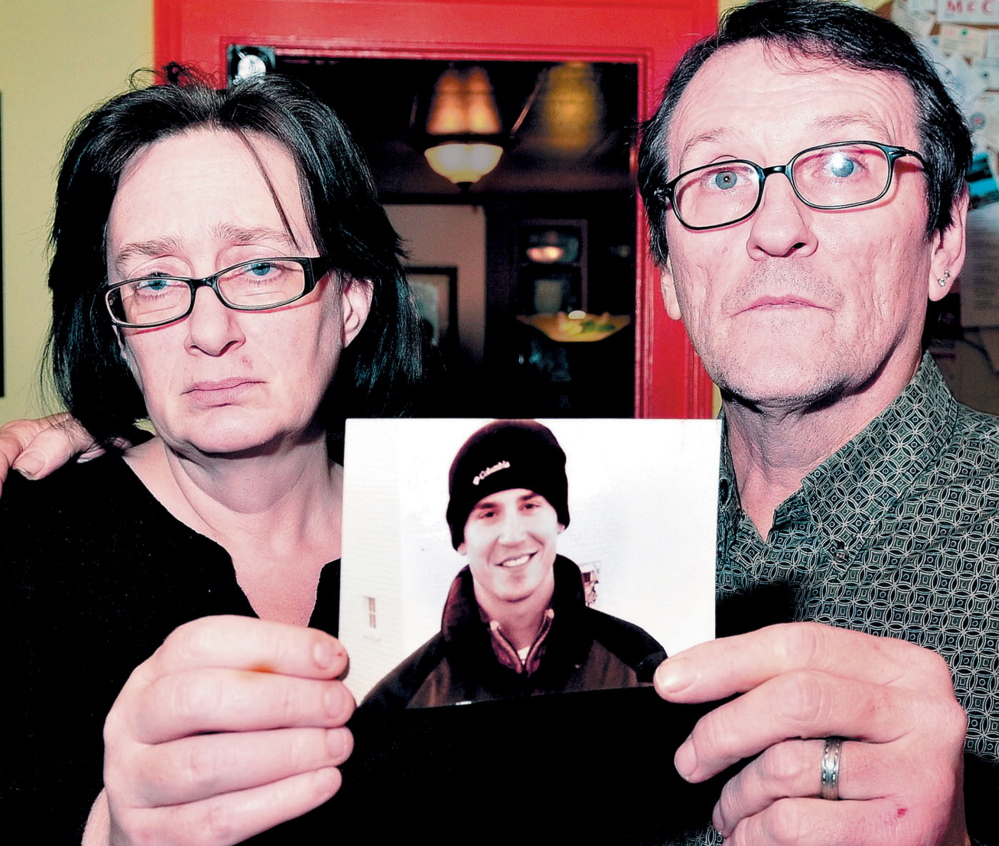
<point x="892" y="153"/>
<point x="313" y="267"/>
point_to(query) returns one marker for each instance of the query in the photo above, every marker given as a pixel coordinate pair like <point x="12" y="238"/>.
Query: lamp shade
<point x="463" y="126"/>
<point x="463" y="162"/>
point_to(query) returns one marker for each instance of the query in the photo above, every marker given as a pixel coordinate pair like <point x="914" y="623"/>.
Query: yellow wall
<point x="57" y="59"/>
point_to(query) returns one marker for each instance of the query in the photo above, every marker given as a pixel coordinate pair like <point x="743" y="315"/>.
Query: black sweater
<point x="94" y="574"/>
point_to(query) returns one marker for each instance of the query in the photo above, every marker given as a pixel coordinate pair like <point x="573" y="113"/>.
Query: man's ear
<point x="668" y="285"/>
<point x="461" y="548"/>
<point x="355" y="304"/>
<point x="561" y="528"/>
<point x="948" y="251"/>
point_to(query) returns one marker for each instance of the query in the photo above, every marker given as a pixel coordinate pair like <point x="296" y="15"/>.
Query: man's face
<point x="795" y="305"/>
<point x="510" y="542"/>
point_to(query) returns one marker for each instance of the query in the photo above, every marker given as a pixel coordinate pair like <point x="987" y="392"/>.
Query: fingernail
<point x="340" y="743"/>
<point x="685" y="759"/>
<point x="718" y="824"/>
<point x="328" y="781"/>
<point x="29" y="464"/>
<point x="323" y="653"/>
<point x="673" y="675"/>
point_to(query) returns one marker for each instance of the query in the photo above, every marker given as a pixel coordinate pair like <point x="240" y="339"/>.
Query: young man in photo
<point x="516" y="622"/>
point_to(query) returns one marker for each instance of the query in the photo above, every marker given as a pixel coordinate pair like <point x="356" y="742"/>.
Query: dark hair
<point x="846" y="36"/>
<point x="378" y="372"/>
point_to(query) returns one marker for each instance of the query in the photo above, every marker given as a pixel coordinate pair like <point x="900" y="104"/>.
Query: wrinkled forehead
<point x="270" y="157"/>
<point x="766" y="103"/>
<point x="203" y="192"/>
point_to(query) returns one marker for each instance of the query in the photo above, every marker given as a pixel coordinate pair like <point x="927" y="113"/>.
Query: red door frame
<point x="652" y="34"/>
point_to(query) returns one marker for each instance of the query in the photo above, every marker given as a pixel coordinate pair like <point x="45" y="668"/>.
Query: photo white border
<point x="642" y="505"/>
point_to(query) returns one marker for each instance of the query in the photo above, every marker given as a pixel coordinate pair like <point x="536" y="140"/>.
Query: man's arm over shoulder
<point x="37" y="447"/>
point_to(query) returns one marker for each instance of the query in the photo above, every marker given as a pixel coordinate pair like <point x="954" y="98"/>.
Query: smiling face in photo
<point x="511" y="541"/>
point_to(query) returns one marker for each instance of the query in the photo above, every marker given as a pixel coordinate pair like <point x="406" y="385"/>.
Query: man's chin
<point x="783" y="387"/>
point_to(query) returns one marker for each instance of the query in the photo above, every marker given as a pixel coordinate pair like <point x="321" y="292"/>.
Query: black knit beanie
<point x="502" y="455"/>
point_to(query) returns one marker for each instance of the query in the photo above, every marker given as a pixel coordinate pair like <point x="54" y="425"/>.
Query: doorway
<point x="538" y="332"/>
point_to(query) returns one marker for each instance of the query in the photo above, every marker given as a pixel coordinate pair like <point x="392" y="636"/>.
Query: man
<point x="854" y="491"/>
<point x="516" y="621"/>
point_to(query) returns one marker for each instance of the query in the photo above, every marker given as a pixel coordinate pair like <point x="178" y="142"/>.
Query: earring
<point x="942" y="281"/>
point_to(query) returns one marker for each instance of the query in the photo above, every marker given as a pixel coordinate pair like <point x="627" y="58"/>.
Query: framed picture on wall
<point x="435" y="290"/>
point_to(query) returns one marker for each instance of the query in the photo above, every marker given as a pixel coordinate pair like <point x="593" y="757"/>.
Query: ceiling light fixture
<point x="465" y="140"/>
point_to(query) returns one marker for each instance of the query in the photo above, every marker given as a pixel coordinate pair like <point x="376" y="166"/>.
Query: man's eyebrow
<point x="862" y="121"/>
<point x="711" y="136"/>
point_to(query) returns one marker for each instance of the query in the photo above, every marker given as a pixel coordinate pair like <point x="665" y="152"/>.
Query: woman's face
<point x="223" y="381"/>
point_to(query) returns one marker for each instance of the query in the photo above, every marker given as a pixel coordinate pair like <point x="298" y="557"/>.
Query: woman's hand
<point x="234" y="725"/>
<point x="37" y="447"/>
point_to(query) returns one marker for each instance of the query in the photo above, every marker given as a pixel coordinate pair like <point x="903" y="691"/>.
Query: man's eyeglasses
<point x="256" y="285"/>
<point x="833" y="176"/>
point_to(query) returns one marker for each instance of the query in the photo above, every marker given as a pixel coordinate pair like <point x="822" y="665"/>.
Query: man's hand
<point x="231" y="727"/>
<point x="900" y="772"/>
<point x="37" y="447"/>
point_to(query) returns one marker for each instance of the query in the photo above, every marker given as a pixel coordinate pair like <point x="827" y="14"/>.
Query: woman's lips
<point x="221" y="392"/>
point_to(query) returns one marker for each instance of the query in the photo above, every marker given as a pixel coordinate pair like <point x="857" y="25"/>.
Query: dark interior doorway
<point x="542" y="180"/>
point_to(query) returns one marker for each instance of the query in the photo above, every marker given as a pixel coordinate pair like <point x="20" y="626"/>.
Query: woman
<point x="222" y="267"/>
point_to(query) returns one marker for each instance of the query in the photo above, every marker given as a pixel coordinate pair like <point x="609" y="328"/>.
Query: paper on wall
<point x="984" y="120"/>
<point x="964" y="84"/>
<point x="988" y="70"/>
<point x="992" y="44"/>
<point x="967" y="41"/>
<point x="917" y="22"/>
<point x="968" y="11"/>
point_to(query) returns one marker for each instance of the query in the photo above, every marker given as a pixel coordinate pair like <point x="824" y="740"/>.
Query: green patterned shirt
<point x="897" y="534"/>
